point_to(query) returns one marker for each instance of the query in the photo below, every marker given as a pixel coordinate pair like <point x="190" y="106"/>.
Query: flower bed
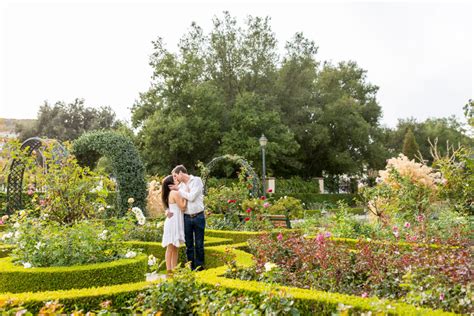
<point x="309" y="301"/>
<point x="16" y="279"/>
<point x="422" y="275"/>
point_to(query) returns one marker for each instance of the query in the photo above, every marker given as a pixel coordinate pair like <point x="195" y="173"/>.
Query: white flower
<point x="150" y="277"/>
<point x="151" y="260"/>
<point x="7" y="236"/>
<point x="269" y="266"/>
<point x="159" y="224"/>
<point x="130" y="200"/>
<point x="38" y="245"/>
<point x="103" y="234"/>
<point x="16" y="225"/>
<point x="130" y="254"/>
<point x="101" y="209"/>
<point x="4" y="218"/>
<point x="27" y="265"/>
<point x="17" y="234"/>
<point x="136" y="210"/>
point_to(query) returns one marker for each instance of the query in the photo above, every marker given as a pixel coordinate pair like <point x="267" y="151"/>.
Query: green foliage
<point x="296" y="185"/>
<point x="68" y="121"/>
<point x="446" y="131"/>
<point x="86" y="299"/>
<point x="457" y="169"/>
<point x="469" y="112"/>
<point x="314" y="201"/>
<point x="46" y="243"/>
<point x="410" y="146"/>
<point x="15" y="279"/>
<point x="126" y="164"/>
<point x="66" y="186"/>
<point x="222" y="90"/>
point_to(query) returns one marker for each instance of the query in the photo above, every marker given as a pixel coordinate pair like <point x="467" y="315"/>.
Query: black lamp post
<point x="263" y="142"/>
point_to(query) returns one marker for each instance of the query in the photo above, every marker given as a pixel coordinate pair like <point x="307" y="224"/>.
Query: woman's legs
<point x="174" y="258"/>
<point x="169" y="257"/>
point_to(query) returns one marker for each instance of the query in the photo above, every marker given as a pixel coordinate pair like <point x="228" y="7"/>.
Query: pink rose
<point x="266" y="204"/>
<point x="441" y="297"/>
<point x="364" y="294"/>
<point x="280" y="236"/>
<point x="320" y="238"/>
<point x="420" y="218"/>
<point x="407" y="225"/>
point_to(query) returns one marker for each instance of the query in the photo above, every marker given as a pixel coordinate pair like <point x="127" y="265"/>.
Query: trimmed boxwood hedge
<point x="87" y="299"/>
<point x="126" y="163"/>
<point x="16" y="279"/>
<point x="5" y="250"/>
<point x="316" y="198"/>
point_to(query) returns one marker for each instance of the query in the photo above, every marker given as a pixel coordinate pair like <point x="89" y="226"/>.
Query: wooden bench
<point x="278" y="221"/>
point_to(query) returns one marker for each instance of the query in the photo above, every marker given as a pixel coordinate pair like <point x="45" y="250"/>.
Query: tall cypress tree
<point x="410" y="146"/>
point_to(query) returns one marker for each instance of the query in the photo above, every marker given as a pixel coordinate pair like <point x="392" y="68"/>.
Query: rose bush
<point x="425" y="276"/>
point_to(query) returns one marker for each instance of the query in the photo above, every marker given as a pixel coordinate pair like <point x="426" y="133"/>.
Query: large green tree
<point x="68" y="121"/>
<point x="220" y="91"/>
<point x="212" y="97"/>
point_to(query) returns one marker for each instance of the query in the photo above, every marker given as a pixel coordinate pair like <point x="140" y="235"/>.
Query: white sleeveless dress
<point x="173" y="230"/>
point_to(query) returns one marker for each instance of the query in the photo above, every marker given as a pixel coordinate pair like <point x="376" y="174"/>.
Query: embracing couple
<point x="183" y="198"/>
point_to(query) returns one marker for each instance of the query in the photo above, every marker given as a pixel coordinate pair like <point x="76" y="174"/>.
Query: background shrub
<point x="127" y="165"/>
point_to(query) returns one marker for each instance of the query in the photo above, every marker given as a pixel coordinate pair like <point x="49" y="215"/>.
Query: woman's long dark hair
<point x="165" y="190"/>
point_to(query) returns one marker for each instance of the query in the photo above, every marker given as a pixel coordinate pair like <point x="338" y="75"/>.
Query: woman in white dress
<point x="173" y="230"/>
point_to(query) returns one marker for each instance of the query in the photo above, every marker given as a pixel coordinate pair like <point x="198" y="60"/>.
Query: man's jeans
<point x="194" y="235"/>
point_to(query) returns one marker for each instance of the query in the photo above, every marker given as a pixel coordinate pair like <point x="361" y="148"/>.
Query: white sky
<point x="419" y="54"/>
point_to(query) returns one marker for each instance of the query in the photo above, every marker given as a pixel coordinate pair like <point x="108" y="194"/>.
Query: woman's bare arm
<point x="175" y="197"/>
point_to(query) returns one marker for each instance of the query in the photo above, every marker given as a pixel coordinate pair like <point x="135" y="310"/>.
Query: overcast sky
<point x="419" y="53"/>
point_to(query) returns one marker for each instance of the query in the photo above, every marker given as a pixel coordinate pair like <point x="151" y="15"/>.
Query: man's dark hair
<point x="178" y="169"/>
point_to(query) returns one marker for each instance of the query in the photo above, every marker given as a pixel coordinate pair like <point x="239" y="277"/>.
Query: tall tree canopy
<point x="67" y="121"/>
<point x="220" y="91"/>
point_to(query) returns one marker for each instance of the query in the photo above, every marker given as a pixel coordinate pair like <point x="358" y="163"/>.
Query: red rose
<point x="270" y="190"/>
<point x="249" y="210"/>
<point x="247" y="219"/>
<point x="262" y="198"/>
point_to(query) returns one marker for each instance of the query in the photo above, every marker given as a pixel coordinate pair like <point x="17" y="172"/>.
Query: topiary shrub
<point x="17" y="279"/>
<point x="127" y="165"/>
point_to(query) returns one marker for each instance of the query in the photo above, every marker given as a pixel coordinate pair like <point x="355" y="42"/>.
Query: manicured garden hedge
<point x="5" y="250"/>
<point x="156" y="249"/>
<point x="16" y="279"/>
<point x="310" y="199"/>
<point x="126" y="163"/>
<point x="87" y="299"/>
<point x="351" y="210"/>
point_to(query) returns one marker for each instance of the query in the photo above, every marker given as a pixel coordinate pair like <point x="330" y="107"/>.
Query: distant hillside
<point x="8" y="125"/>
